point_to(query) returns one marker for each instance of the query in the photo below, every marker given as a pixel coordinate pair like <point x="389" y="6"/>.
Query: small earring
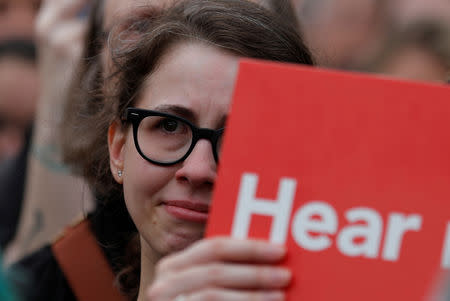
<point x="119" y="173"/>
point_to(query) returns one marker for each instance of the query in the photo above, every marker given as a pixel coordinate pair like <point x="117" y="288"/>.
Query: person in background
<point x="60" y="30"/>
<point x="18" y="90"/>
<point x="12" y="179"/>
<point x="17" y="18"/>
<point x="404" y="12"/>
<point x="343" y="32"/>
<point x="417" y="51"/>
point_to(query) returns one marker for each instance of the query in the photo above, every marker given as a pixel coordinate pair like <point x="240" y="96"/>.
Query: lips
<point x="187" y="210"/>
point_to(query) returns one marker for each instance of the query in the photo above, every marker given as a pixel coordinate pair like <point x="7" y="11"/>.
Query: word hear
<point x="314" y="234"/>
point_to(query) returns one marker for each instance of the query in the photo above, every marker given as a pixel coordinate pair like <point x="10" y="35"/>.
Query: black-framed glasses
<point x="166" y="139"/>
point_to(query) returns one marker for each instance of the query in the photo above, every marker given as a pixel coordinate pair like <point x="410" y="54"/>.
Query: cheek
<point x="142" y="182"/>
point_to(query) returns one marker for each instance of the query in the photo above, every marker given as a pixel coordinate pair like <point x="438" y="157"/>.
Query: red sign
<point x="351" y="172"/>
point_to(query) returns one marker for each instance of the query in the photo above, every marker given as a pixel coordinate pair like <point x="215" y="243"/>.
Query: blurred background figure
<point x="18" y="93"/>
<point x="418" y="51"/>
<point x="52" y="197"/>
<point x="17" y="17"/>
<point x="407" y="11"/>
<point x="358" y="34"/>
<point x="18" y="101"/>
<point x="342" y="32"/>
<point x="18" y="75"/>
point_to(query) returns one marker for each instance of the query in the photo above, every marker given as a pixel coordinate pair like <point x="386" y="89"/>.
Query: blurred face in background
<point x="337" y="30"/>
<point x="17" y="17"/>
<point x="405" y="11"/>
<point x="414" y="63"/>
<point x="18" y="95"/>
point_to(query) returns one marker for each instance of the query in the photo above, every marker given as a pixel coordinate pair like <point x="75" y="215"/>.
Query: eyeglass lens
<point x="164" y="139"/>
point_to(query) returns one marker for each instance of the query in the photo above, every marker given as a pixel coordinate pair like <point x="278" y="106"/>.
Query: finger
<point x="70" y="9"/>
<point x="45" y="19"/>
<point x="221" y="275"/>
<point x="54" y="13"/>
<point x="223" y="249"/>
<point x="66" y="37"/>
<point x="234" y="295"/>
<point x="218" y="294"/>
<point x="238" y="276"/>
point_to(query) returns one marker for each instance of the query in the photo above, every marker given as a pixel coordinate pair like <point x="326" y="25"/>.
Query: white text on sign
<point x="363" y="222"/>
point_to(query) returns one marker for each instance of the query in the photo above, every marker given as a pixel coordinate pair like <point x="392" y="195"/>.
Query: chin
<point x="177" y="242"/>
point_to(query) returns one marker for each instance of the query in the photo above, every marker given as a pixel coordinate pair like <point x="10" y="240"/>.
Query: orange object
<point x="84" y="265"/>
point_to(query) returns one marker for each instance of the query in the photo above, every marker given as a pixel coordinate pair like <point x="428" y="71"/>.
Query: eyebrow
<point x="185" y="113"/>
<point x="177" y="110"/>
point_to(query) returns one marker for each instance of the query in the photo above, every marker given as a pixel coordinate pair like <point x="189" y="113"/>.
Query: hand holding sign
<point x="222" y="269"/>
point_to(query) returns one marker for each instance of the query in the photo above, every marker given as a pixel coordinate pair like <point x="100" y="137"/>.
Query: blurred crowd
<point x="41" y="44"/>
<point x="386" y="37"/>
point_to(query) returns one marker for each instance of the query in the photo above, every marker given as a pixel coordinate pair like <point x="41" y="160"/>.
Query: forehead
<point x="208" y="56"/>
<point x="201" y="58"/>
<point x="193" y="75"/>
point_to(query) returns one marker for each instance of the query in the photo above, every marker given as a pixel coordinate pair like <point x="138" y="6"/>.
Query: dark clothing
<point x="47" y="281"/>
<point x="110" y="224"/>
<point x="12" y="186"/>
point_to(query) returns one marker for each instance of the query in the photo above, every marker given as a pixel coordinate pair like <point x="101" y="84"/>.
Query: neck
<point x="149" y="258"/>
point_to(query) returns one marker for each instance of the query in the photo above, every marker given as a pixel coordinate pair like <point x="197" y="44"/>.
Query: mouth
<point x="191" y="211"/>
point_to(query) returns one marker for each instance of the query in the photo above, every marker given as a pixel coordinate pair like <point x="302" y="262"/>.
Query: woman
<point x="164" y="114"/>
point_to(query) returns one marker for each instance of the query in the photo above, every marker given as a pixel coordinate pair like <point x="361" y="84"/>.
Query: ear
<point x="116" y="145"/>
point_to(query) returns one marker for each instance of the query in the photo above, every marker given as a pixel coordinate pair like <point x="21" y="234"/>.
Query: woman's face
<point x="169" y="204"/>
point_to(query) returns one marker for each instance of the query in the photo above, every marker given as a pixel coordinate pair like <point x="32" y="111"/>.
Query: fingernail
<point x="281" y="275"/>
<point x="273" y="296"/>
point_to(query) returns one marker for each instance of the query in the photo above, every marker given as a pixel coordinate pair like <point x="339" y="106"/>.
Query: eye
<point x="169" y="125"/>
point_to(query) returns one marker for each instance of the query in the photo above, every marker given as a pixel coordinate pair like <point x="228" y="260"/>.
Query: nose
<point x="199" y="169"/>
